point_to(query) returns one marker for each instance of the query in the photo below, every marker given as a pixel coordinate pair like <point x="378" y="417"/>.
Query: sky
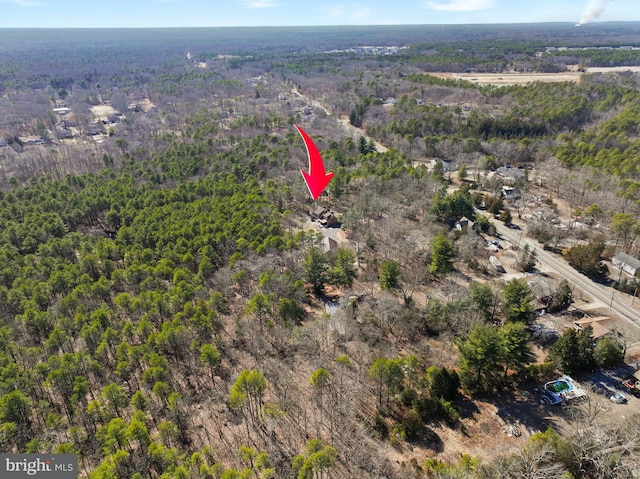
<point x="226" y="13"/>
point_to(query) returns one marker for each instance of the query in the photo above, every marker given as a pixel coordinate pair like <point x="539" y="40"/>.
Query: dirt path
<point x="344" y="120"/>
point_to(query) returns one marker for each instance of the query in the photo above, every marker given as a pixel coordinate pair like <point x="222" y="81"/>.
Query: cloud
<point x="459" y="5"/>
<point x="259" y="3"/>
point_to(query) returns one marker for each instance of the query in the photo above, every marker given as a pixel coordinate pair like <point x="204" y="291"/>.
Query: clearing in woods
<point x="517" y="78"/>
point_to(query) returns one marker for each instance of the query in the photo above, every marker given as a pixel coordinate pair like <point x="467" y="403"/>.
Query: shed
<point x="496" y="264"/>
<point x="626" y="263"/>
<point x="328" y="244"/>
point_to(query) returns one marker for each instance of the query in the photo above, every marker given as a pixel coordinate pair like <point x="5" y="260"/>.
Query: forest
<point x="169" y="310"/>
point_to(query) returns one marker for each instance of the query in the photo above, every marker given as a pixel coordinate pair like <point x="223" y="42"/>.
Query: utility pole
<point x="614" y="289"/>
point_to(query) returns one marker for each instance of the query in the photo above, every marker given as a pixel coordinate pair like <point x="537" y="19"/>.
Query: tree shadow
<point x="330" y="299"/>
<point x="429" y="439"/>
<point x="526" y="410"/>
<point x="465" y="407"/>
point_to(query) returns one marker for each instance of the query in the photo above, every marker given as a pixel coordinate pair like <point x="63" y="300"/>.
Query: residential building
<point x="626" y="263"/>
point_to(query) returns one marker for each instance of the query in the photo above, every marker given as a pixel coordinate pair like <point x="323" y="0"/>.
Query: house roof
<point x="541" y="288"/>
<point x="599" y="329"/>
<point x="628" y="260"/>
<point x="510" y="173"/>
<point x="318" y="210"/>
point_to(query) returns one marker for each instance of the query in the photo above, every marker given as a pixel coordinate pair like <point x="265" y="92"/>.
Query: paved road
<point x="599" y="292"/>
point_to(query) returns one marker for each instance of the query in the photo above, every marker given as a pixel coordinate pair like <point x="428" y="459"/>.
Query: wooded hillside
<point x="169" y="310"/>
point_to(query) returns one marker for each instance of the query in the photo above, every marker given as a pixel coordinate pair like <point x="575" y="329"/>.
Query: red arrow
<point x="317" y="180"/>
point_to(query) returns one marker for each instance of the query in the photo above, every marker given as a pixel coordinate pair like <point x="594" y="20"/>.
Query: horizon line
<point x="329" y="25"/>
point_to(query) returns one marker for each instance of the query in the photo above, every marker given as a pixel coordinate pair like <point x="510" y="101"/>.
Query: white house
<point x="626" y="263"/>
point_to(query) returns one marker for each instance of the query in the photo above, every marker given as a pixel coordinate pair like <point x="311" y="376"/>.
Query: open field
<point x="102" y="112"/>
<point x="505" y="79"/>
<point x="517" y="78"/>
<point x="634" y="69"/>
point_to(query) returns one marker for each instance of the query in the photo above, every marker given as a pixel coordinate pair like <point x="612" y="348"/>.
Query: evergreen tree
<point x="344" y="270"/>
<point x="485" y="299"/>
<point x="389" y="375"/>
<point x="562" y="297"/>
<point x="316" y="268"/>
<point x="389" y="275"/>
<point x="518" y="301"/>
<point x="441" y="254"/>
<point x="462" y="172"/>
<point x="527" y="259"/>
<point x="587" y="258"/>
<point x="608" y="353"/>
<point x="441" y="382"/>
<point x="574" y="351"/>
<point x="480" y="365"/>
<point x="516" y="353"/>
<point x="247" y="392"/>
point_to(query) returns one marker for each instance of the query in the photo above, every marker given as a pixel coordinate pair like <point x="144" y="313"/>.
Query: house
<point x="542" y="290"/>
<point x="3" y="143"/>
<point x="465" y="223"/>
<point x="510" y="174"/>
<point x="626" y="263"/>
<point x="63" y="134"/>
<point x="324" y="216"/>
<point x="66" y="124"/>
<point x="510" y="193"/>
<point x="598" y="324"/>
<point x="447" y="165"/>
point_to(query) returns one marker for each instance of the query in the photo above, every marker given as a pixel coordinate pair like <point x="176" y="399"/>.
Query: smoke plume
<point x="593" y="11"/>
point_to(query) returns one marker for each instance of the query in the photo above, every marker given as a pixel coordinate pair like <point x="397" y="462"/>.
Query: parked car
<point x="618" y="398"/>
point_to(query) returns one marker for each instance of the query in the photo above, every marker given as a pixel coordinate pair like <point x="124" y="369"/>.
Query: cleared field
<point x="102" y="112"/>
<point x="516" y="78"/>
<point x="503" y="79"/>
<point x="612" y="69"/>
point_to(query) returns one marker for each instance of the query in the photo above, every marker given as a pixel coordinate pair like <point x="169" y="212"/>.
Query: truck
<point x="632" y="385"/>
